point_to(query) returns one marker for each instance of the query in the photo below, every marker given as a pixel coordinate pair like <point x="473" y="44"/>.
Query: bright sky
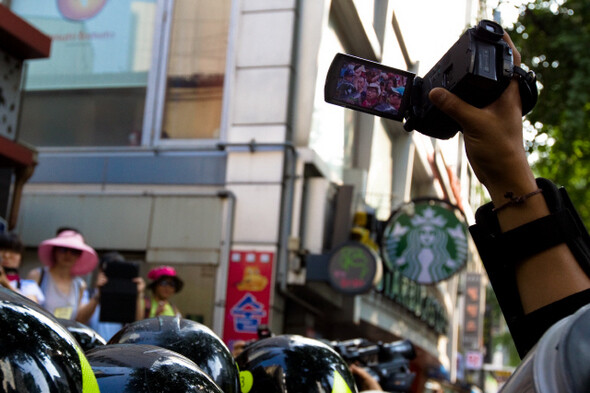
<point x="431" y="33"/>
<point x="508" y="8"/>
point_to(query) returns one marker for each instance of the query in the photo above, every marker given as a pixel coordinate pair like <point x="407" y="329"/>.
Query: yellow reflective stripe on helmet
<point x="89" y="383"/>
<point x="340" y="385"/>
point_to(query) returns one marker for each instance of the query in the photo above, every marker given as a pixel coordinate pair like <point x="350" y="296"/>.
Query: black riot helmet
<point x="293" y="364"/>
<point x="87" y="337"/>
<point x="189" y="338"/>
<point x="137" y="368"/>
<point x="37" y="354"/>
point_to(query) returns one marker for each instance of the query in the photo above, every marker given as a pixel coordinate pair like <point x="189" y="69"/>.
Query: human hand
<point x="4" y="279"/>
<point x="493" y="137"/>
<point x="140" y="285"/>
<point x="363" y="379"/>
<point x="101" y="279"/>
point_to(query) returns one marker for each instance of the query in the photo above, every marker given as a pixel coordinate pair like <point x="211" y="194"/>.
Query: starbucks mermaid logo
<point x="427" y="245"/>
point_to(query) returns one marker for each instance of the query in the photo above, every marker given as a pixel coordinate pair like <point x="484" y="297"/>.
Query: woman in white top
<point x="66" y="258"/>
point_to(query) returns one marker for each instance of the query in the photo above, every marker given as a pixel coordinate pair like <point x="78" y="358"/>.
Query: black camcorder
<point x="477" y="68"/>
<point x="388" y="363"/>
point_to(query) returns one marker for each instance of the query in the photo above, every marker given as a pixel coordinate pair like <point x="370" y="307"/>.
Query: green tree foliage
<point x="553" y="38"/>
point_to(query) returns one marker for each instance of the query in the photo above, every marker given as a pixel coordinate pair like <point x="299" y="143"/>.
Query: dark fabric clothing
<point x="528" y="329"/>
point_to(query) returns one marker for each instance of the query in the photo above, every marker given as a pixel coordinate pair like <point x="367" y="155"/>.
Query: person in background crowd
<point x="238" y="347"/>
<point x="372" y="95"/>
<point x="89" y="313"/>
<point x="393" y="100"/>
<point x="66" y="257"/>
<point x="11" y="251"/>
<point x="165" y="283"/>
<point x="360" y="84"/>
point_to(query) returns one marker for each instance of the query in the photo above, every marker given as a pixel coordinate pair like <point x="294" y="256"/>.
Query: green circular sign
<point x="352" y="268"/>
<point x="425" y="241"/>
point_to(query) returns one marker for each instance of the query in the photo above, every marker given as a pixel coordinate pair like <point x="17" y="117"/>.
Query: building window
<point x="195" y="70"/>
<point x="91" y="91"/>
<point x="108" y="57"/>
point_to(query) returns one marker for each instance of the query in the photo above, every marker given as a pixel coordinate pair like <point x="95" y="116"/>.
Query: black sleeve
<point x="528" y="329"/>
<point x="500" y="252"/>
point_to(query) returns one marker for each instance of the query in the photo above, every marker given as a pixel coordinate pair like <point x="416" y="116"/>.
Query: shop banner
<point x="248" y="294"/>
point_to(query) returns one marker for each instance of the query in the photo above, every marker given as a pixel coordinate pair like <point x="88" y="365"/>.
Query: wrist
<point x="506" y="170"/>
<point x="530" y="204"/>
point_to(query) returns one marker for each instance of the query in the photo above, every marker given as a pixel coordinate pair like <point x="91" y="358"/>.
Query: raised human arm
<point x="87" y="309"/>
<point x="140" y="301"/>
<point x="539" y="274"/>
<point x="495" y="149"/>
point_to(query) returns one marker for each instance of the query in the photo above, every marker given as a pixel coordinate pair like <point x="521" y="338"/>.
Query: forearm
<point x="86" y="310"/>
<point x="140" y="306"/>
<point x="549" y="275"/>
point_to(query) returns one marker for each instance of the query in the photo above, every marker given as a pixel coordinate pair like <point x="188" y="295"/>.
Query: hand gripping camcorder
<point x="477" y="68"/>
<point x="387" y="363"/>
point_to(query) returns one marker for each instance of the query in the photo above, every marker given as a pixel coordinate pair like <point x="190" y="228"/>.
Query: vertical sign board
<point x="472" y="333"/>
<point x="248" y="294"/>
<point x="473" y="360"/>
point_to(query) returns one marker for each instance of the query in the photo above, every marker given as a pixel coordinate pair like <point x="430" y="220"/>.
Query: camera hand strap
<point x="527" y="85"/>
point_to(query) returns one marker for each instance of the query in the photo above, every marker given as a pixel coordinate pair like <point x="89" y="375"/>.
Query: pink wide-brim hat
<point x="87" y="261"/>
<point x="161" y="272"/>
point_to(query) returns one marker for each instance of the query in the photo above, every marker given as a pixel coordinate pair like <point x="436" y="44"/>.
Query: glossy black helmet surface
<point x="136" y="368"/>
<point x="37" y="354"/>
<point x="189" y="338"/>
<point x="87" y="337"/>
<point x="293" y="364"/>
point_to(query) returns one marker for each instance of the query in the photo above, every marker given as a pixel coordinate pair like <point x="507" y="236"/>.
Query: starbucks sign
<point x="425" y="241"/>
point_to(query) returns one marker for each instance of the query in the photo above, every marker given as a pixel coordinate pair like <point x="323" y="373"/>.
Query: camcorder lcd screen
<point x="369" y="87"/>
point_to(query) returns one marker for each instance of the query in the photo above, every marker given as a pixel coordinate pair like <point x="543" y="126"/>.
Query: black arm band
<point x="500" y="252"/>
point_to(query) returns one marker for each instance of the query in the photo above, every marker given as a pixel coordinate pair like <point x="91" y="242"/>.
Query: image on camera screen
<point x="367" y="86"/>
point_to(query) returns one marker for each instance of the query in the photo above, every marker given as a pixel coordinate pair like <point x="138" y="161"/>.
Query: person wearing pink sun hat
<point x="66" y="257"/>
<point x="165" y="283"/>
<point x="69" y="239"/>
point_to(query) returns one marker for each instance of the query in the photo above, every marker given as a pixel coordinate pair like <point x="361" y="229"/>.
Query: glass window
<point x="196" y="69"/>
<point x="91" y="91"/>
<point x="332" y="126"/>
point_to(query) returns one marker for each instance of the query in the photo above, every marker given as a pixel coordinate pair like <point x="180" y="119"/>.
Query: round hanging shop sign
<point x="425" y="241"/>
<point x="353" y="268"/>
